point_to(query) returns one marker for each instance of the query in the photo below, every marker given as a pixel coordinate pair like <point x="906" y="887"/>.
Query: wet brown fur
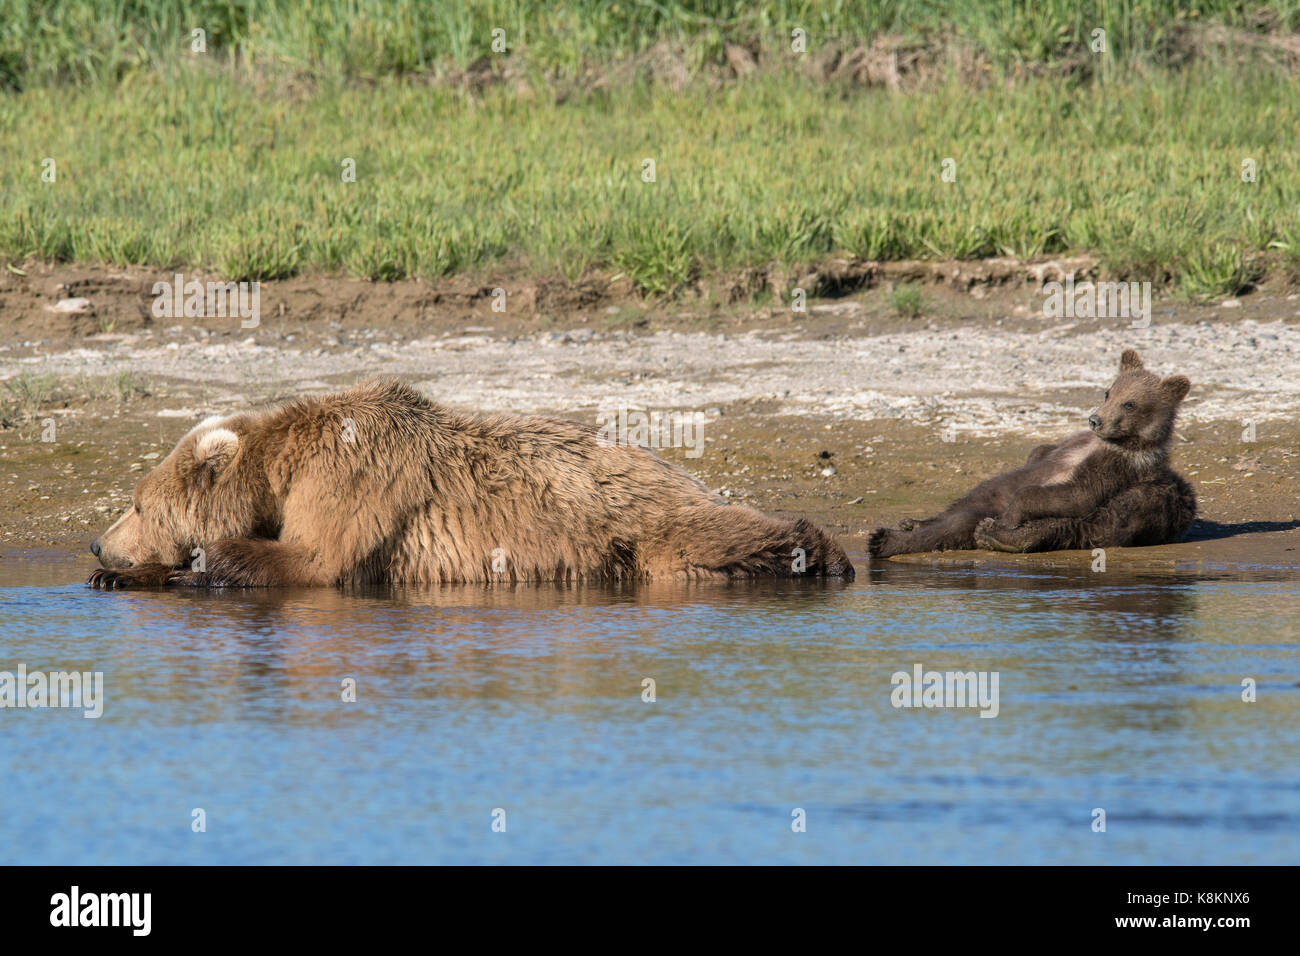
<point x="422" y="494"/>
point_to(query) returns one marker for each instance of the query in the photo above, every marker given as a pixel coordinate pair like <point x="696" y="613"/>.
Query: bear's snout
<point x="114" y="549"/>
<point x="1094" y="421"/>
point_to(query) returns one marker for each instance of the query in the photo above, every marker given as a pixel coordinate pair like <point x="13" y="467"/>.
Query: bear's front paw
<point x="876" y="539"/>
<point x="105" y="580"/>
<point x="908" y="524"/>
<point x="108" y="579"/>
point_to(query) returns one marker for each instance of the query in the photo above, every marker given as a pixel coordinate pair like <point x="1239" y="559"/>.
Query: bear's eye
<point x="1107" y="394"/>
<point x="1128" y="406"/>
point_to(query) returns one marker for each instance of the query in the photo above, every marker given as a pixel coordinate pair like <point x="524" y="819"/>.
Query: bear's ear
<point x="1129" y="361"/>
<point x="1175" y="388"/>
<point x="215" y="449"/>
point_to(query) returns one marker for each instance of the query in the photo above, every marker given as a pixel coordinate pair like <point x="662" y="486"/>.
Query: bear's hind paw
<point x="986" y="538"/>
<point x="876" y="539"/>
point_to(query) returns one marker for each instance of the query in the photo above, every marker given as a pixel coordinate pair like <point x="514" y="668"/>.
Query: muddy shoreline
<point x="849" y="413"/>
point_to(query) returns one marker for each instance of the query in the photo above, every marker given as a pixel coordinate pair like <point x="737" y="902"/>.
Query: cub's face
<point x="178" y="506"/>
<point x="1139" y="408"/>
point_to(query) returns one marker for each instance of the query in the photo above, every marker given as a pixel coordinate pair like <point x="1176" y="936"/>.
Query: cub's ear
<point x="1129" y="361"/>
<point x="1175" y="388"/>
<point x="215" y="449"/>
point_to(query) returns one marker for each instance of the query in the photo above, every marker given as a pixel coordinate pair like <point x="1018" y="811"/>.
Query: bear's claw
<point x="103" y="579"/>
<point x="146" y="576"/>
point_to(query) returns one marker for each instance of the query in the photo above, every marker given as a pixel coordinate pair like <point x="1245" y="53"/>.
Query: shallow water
<point x="1121" y="693"/>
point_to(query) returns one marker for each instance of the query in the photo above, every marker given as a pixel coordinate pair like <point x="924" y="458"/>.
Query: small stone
<point x="70" y="305"/>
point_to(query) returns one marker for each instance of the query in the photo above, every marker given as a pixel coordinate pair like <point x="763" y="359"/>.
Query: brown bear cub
<point x="379" y="485"/>
<point x="1108" y="487"/>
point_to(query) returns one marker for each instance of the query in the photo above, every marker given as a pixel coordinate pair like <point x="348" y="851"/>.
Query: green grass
<point x="230" y="160"/>
<point x="121" y="387"/>
<point x="23" y="397"/>
<point x="907" y="301"/>
<point x="51" y="41"/>
<point x="199" y="169"/>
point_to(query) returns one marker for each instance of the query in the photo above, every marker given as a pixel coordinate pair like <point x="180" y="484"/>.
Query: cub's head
<point x="190" y="500"/>
<point x="1139" y="409"/>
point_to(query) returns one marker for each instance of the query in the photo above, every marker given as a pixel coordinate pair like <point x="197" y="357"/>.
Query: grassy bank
<point x="50" y="41"/>
<point x="199" y="169"/>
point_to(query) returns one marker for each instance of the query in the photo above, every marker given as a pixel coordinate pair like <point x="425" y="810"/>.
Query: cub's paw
<point x="876" y="540"/>
<point x="991" y="536"/>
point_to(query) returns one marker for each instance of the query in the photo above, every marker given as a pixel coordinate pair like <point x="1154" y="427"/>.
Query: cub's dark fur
<point x="1108" y="487"/>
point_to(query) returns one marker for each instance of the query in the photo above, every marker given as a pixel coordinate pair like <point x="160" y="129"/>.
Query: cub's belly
<point x="1060" y="466"/>
<point x="1056" y="468"/>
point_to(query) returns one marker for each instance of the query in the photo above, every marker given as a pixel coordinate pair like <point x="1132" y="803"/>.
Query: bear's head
<point x="193" y="498"/>
<point x="1138" y="412"/>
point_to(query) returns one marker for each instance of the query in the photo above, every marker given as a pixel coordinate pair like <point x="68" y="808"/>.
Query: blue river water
<point x="514" y="725"/>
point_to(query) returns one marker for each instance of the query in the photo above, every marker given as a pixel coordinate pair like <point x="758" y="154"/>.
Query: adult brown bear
<point x="1108" y="487"/>
<point x="381" y="485"/>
